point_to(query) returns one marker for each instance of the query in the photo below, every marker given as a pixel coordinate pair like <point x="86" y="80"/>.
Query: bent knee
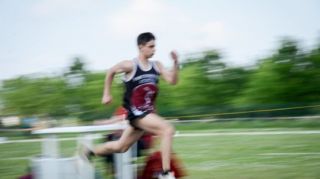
<point x="169" y="131"/>
<point x="121" y="148"/>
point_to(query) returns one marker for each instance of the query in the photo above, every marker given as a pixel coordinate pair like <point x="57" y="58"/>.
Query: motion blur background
<point x="248" y="64"/>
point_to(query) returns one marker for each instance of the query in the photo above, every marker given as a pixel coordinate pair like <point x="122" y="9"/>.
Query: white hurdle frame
<point x="125" y="169"/>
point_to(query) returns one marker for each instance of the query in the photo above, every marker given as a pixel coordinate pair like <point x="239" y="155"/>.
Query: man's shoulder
<point x="126" y="61"/>
<point x="126" y="65"/>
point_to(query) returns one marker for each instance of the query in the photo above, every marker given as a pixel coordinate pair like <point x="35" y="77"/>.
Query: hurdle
<point x="50" y="165"/>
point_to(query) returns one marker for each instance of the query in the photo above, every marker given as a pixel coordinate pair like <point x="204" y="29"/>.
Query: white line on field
<point x="246" y="133"/>
<point x="33" y="140"/>
<point x="298" y="153"/>
<point x="16" y="158"/>
<point x="179" y="134"/>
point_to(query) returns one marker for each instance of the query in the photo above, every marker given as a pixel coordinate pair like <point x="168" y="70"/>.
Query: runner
<point x="141" y="79"/>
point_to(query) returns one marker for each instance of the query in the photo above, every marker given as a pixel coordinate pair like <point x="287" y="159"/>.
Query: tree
<point x="287" y="78"/>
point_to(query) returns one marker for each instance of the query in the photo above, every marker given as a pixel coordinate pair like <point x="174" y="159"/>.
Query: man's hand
<point x="174" y="56"/>
<point x="106" y="99"/>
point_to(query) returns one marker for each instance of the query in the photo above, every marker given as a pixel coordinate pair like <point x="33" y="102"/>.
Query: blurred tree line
<point x="289" y="77"/>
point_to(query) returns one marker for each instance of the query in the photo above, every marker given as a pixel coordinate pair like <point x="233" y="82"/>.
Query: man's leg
<point x="128" y="137"/>
<point x="157" y="125"/>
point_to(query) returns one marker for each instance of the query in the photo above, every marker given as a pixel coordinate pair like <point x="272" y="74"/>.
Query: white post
<point x="125" y="169"/>
<point x="134" y="158"/>
<point x="50" y="146"/>
<point x="86" y="140"/>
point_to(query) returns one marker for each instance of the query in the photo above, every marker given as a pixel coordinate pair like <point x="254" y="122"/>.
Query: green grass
<point x="210" y="157"/>
<point x="251" y="156"/>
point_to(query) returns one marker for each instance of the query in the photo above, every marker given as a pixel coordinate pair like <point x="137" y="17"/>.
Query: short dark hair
<point x="145" y="37"/>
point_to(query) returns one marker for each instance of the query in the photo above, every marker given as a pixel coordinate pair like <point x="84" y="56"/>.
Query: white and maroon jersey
<point x="141" y="90"/>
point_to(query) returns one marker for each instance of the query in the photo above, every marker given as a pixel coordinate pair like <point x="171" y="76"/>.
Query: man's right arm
<point x="122" y="67"/>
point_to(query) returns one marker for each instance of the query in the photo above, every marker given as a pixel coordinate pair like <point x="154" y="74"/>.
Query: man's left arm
<point x="170" y="76"/>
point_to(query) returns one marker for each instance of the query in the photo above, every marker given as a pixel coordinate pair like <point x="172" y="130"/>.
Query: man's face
<point x="148" y="49"/>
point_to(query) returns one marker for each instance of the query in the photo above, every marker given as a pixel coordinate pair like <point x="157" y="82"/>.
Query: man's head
<point x="146" y="44"/>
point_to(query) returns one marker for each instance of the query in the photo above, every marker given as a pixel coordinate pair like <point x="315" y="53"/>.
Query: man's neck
<point x="143" y="59"/>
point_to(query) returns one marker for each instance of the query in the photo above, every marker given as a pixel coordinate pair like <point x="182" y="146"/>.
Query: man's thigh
<point x="153" y="123"/>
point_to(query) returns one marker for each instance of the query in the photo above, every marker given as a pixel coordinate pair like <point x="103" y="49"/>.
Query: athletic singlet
<point x="141" y="90"/>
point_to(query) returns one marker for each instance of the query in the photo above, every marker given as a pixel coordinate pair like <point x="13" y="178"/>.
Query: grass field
<point x="262" y="156"/>
<point x="225" y="155"/>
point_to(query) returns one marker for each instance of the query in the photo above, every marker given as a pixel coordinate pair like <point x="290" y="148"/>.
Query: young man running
<point x="141" y="79"/>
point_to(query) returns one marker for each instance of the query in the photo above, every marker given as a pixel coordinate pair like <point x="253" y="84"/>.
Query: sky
<point x="43" y="36"/>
